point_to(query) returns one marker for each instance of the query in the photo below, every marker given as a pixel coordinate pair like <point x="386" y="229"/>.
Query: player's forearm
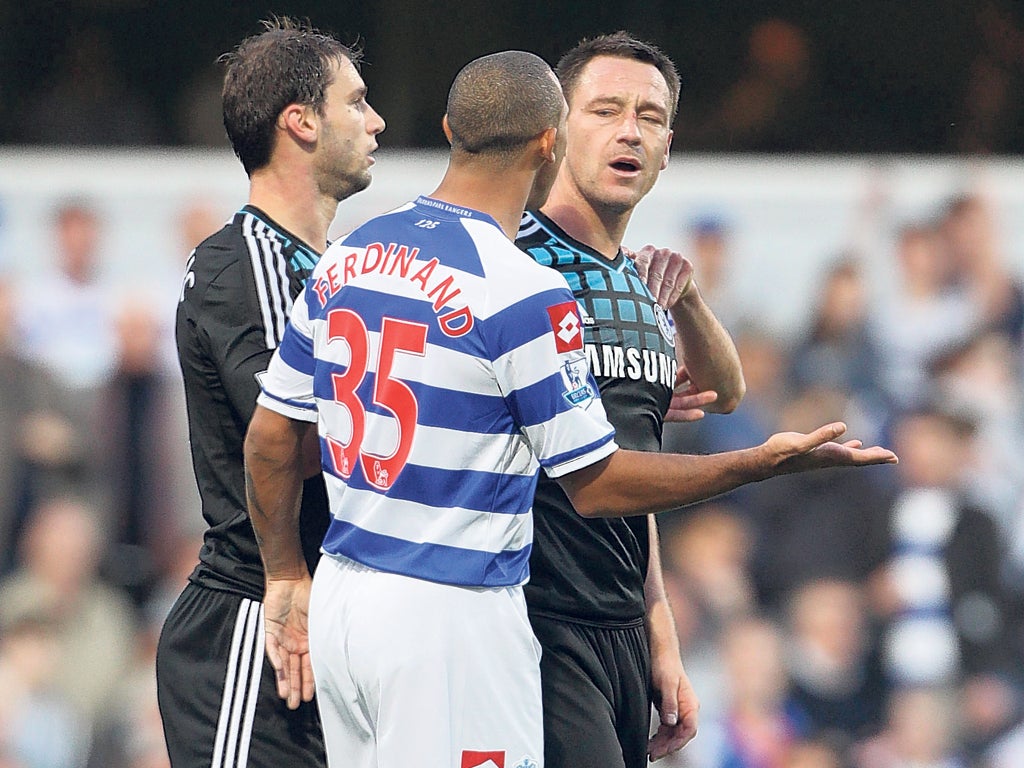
<point x="273" y="484"/>
<point x="633" y="482"/>
<point x="661" y="628"/>
<point x="708" y="351"/>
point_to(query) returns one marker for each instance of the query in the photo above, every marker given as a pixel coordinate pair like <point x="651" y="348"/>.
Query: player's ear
<point x="300" y="120"/>
<point x="446" y="128"/>
<point x="547" y="142"/>
<point x="668" y="147"/>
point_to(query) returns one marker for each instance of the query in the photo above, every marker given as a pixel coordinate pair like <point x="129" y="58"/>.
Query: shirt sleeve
<point x="287" y="385"/>
<point x="235" y="337"/>
<point x="542" y="371"/>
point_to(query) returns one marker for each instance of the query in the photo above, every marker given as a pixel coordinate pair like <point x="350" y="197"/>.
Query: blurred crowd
<point x="870" y="619"/>
<point x="866" y="620"/>
<point x="789" y="76"/>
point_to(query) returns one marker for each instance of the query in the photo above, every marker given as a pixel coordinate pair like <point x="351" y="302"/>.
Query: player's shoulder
<point x="224" y="247"/>
<point x="220" y="269"/>
<point x="546" y="243"/>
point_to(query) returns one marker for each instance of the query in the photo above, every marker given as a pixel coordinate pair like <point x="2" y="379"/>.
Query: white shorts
<point x="413" y="674"/>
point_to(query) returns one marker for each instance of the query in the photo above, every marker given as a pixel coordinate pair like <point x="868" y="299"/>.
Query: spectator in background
<point x="761" y="726"/>
<point x="833" y="525"/>
<point x="924" y="319"/>
<point x="40" y="451"/>
<point x="978" y="268"/>
<point x="57" y="574"/>
<point x="140" y="403"/>
<point x="815" y="753"/>
<point x="38" y="726"/>
<point x="764" y="364"/>
<point x="940" y="590"/>
<point x="198" y="219"/>
<point x="838" y="350"/>
<point x="707" y="552"/>
<point x="921" y="731"/>
<point x="66" y="320"/>
<point x="709" y="236"/>
<point x="980" y="378"/>
<point x="836" y="680"/>
<point x="66" y="325"/>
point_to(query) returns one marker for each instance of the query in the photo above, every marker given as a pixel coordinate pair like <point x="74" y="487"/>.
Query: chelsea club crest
<point x="665" y="324"/>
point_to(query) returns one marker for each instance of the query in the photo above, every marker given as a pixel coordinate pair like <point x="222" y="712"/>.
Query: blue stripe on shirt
<point x="438" y="406"/>
<point x="447" y="565"/>
<point x="466" y="488"/>
<point x="297" y="351"/>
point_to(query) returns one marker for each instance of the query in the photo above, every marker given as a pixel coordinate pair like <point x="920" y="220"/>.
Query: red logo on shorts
<point x="565" y="322"/>
<point x="473" y="759"/>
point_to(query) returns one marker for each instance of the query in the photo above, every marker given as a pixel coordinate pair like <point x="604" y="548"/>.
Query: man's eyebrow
<point x="619" y="101"/>
<point x="616" y="100"/>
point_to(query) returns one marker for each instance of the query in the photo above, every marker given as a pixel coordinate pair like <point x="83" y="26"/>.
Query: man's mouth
<point x="625" y="165"/>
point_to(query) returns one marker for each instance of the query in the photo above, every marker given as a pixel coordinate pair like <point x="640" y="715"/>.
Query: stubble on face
<point x="345" y="142"/>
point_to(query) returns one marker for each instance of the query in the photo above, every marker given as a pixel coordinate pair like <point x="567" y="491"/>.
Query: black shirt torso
<point x="238" y="290"/>
<point x="593" y="570"/>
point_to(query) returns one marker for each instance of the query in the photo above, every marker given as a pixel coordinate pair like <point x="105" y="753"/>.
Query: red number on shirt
<point x="346" y="325"/>
<point x="390" y="393"/>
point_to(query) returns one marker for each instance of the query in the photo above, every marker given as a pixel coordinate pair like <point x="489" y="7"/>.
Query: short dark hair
<point x="499" y="102"/>
<point x="624" y="46"/>
<point x="290" y="62"/>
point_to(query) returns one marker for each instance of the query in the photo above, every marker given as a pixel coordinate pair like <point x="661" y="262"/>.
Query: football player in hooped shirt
<point x="442" y="368"/>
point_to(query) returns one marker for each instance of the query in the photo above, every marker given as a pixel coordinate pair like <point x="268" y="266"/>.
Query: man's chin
<point x="353" y="184"/>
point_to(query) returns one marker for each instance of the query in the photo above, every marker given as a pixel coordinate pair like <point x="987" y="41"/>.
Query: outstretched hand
<point x="798" y="452"/>
<point x="286" y="616"/>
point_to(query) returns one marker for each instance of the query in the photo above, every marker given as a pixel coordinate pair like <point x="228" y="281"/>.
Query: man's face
<point x="348" y="136"/>
<point x="619" y="132"/>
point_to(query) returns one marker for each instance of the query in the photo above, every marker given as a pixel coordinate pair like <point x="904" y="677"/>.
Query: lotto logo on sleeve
<point x="473" y="759"/>
<point x="565" y="322"/>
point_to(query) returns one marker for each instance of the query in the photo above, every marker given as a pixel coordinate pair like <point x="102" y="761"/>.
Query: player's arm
<point x="674" y="697"/>
<point x="707" y="357"/>
<point x="634" y="482"/>
<point x="236" y="336"/>
<point x="275" y="446"/>
<point x="274" y="470"/>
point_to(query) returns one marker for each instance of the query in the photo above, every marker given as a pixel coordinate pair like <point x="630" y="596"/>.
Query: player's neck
<point x="598" y="228"/>
<point x="502" y="196"/>
<point x="294" y="202"/>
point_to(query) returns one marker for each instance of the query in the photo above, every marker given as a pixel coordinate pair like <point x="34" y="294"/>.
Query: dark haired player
<point x="596" y="596"/>
<point x="295" y="111"/>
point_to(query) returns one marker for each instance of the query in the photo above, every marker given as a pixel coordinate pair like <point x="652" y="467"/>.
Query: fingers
<point x="667" y="273"/>
<point x="874" y="455"/>
<point x="683" y="416"/>
<point x="642" y="261"/>
<point x="826" y="434"/>
<point x="308" y="687"/>
<point x="274" y="656"/>
<point x="294" y="680"/>
<point x="689" y="406"/>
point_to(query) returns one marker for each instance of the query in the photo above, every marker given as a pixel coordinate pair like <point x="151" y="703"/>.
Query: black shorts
<point x="597" y="694"/>
<point x="216" y="690"/>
